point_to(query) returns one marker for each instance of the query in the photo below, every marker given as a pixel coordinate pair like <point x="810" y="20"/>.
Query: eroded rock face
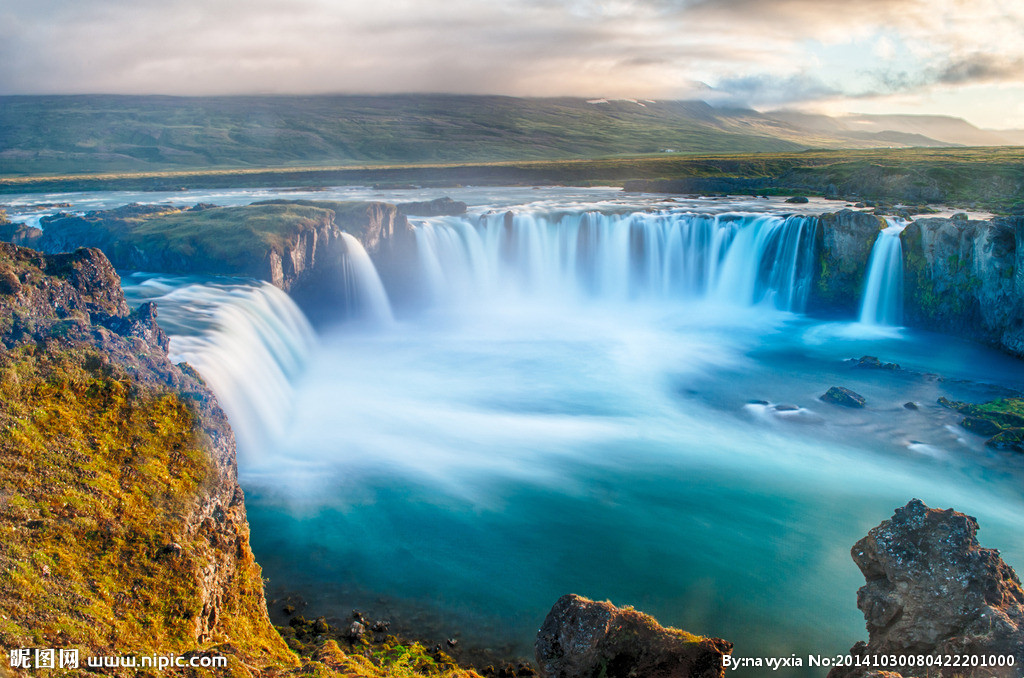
<point x="581" y="638"/>
<point x="846" y="238"/>
<point x="74" y="301"/>
<point x="964" y="277"/>
<point x="932" y="590"/>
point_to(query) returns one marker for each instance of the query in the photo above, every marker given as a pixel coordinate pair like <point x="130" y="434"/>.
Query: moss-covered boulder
<point x="1001" y="421"/>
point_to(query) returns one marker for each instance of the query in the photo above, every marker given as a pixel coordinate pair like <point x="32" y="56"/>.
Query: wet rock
<point x="786" y="408"/>
<point x="847" y="238"/>
<point x="872" y="362"/>
<point x="839" y="395"/>
<point x="355" y="632"/>
<point x="581" y="637"/>
<point x="981" y="426"/>
<point x="798" y="199"/>
<point x="963" y="277"/>
<point x="932" y="590"/>
<point x="1011" y="440"/>
<point x="757" y="402"/>
<point x="951" y="404"/>
<point x="911" y="406"/>
<point x="380" y="630"/>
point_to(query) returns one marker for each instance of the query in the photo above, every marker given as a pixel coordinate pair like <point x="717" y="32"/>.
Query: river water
<point x="612" y="398"/>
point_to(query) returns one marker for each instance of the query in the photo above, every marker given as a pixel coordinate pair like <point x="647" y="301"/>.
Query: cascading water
<point x="464" y="473"/>
<point x="882" y="303"/>
<point x="735" y="258"/>
<point x="248" y="340"/>
<point x="364" y="294"/>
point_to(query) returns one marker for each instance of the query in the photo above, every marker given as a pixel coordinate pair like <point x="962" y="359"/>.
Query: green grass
<point x="986" y="178"/>
<point x="60" y="134"/>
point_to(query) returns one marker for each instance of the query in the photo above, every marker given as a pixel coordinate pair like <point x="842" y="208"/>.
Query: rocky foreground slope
<point x="122" y="525"/>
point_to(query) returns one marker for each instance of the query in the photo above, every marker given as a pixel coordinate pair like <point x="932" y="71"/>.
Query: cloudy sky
<point x="957" y="57"/>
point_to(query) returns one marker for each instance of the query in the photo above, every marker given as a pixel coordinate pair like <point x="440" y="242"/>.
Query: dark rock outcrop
<point x="933" y="591"/>
<point x="1002" y="420"/>
<point x="965" y="278"/>
<point x="840" y="395"/>
<point x="582" y="638"/>
<point x="438" y="207"/>
<point x="846" y="238"/>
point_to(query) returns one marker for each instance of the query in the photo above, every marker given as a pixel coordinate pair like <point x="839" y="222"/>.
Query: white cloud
<point x="618" y="48"/>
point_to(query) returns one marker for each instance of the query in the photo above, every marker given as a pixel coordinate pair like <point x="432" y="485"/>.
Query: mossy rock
<point x="1010" y="440"/>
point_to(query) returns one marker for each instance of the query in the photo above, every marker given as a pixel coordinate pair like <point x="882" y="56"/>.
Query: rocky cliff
<point x="124" y="527"/>
<point x="933" y="592"/>
<point x="844" y="242"/>
<point x="965" y="277"/>
<point x="295" y="245"/>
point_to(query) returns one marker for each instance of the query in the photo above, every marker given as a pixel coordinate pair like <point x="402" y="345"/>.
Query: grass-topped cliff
<point x="292" y="244"/>
<point x="97" y="471"/>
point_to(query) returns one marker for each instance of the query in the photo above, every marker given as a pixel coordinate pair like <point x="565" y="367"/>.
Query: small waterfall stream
<point x="248" y="340"/>
<point x="364" y="295"/>
<point x="882" y="303"/>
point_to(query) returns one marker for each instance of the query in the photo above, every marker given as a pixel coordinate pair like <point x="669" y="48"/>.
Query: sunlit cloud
<point x="764" y="53"/>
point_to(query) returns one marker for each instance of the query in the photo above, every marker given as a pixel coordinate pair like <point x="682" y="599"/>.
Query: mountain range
<point x="111" y="133"/>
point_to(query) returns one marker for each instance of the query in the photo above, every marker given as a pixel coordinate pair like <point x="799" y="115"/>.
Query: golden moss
<point x="97" y="476"/>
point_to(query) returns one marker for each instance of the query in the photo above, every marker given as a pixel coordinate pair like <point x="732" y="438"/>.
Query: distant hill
<point x="106" y="133"/>
<point x="936" y="129"/>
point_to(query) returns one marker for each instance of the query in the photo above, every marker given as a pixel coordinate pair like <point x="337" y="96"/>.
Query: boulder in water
<point x="981" y="426"/>
<point x="872" y="362"/>
<point x="933" y="591"/>
<point x="798" y="199"/>
<point x="1011" y="440"/>
<point x="581" y="637"/>
<point x="839" y="395"/>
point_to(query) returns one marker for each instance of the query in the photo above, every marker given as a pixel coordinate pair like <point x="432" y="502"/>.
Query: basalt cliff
<point x="297" y="246"/>
<point x="960" y="276"/>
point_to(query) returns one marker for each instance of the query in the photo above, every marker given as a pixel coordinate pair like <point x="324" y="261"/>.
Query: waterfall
<point x="364" y="295"/>
<point x="882" y="303"/>
<point x="738" y="258"/>
<point x="248" y="340"/>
